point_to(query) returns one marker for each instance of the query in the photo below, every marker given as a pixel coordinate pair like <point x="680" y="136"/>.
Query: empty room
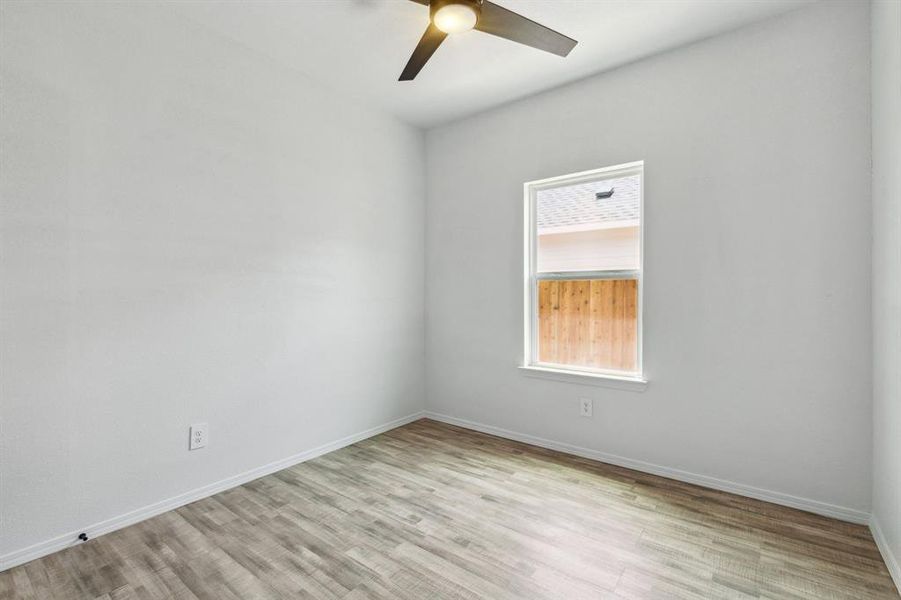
<point x="450" y="299"/>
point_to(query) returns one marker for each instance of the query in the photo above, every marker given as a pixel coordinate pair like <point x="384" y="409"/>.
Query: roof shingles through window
<point x="577" y="206"/>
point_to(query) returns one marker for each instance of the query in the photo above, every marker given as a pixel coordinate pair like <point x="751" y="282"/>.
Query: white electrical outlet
<point x="586" y="407"/>
<point x="200" y="436"/>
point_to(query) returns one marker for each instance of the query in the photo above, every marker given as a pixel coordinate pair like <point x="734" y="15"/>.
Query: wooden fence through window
<point x="588" y="322"/>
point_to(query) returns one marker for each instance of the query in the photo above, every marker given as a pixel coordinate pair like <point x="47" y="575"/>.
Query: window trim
<point x="530" y="365"/>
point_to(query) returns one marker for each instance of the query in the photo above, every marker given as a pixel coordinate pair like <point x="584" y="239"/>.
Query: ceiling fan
<point x="456" y="16"/>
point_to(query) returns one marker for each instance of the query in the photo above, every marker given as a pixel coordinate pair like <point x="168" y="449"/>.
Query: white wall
<point x="886" y="24"/>
<point x="190" y="232"/>
<point x="757" y="178"/>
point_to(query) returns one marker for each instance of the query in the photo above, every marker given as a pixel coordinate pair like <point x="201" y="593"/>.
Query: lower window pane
<point x="589" y="323"/>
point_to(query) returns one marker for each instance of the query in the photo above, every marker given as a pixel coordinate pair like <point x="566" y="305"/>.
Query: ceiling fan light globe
<point x="455" y="18"/>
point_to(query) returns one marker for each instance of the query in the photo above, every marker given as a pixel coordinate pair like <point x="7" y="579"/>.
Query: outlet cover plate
<point x="200" y="436"/>
<point x="586" y="407"/>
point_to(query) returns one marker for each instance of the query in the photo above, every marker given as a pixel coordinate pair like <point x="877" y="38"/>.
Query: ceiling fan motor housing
<point x="436" y="5"/>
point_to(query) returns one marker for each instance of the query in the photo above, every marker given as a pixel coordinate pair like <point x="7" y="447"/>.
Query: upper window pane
<point x="591" y="226"/>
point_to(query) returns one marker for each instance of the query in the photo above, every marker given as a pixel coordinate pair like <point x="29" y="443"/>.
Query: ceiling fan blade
<point x="430" y="41"/>
<point x="423" y="2"/>
<point x="509" y="25"/>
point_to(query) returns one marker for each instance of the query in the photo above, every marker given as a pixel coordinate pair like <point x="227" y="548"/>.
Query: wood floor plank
<point x="431" y="511"/>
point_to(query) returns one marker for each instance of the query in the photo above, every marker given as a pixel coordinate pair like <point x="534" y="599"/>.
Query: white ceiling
<point x="359" y="47"/>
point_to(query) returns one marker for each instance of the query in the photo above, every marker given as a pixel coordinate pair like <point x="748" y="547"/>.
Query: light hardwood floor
<point x="430" y="511"/>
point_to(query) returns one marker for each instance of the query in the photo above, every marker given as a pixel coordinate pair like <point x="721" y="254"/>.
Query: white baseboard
<point x="814" y="506"/>
<point x="891" y="561"/>
<point x="18" y="557"/>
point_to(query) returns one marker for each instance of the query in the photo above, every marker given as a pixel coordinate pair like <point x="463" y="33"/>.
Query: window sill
<point x="619" y="382"/>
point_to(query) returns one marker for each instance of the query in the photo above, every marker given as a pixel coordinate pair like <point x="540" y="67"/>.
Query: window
<point x="583" y="257"/>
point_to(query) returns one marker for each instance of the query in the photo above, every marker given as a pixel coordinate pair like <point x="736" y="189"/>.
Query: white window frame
<point x="573" y="373"/>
